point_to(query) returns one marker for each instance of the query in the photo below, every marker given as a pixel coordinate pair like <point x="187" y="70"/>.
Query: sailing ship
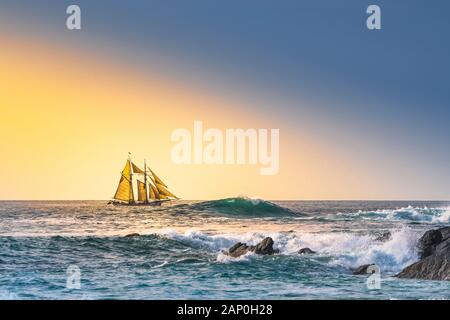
<point x="150" y="189"/>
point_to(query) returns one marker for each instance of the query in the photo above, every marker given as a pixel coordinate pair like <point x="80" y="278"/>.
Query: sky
<point x="362" y="114"/>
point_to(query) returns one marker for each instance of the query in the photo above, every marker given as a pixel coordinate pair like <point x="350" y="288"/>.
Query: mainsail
<point x="124" y="190"/>
<point x="153" y="189"/>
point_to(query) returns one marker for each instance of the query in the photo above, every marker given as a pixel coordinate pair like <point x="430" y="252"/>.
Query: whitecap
<point x="341" y="248"/>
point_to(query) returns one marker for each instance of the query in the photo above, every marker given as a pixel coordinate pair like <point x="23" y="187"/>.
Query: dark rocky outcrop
<point x="239" y="249"/>
<point x="385" y="236"/>
<point x="434" y="250"/>
<point x="306" y="251"/>
<point x="132" y="235"/>
<point x="428" y="242"/>
<point x="361" y="269"/>
<point x="265" y="247"/>
<point x="433" y="267"/>
<point x="443" y="247"/>
<point x="445" y="232"/>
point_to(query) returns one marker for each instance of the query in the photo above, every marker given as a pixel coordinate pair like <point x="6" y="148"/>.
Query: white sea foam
<point x="443" y="218"/>
<point x="343" y="249"/>
<point x="254" y="200"/>
<point x="160" y="265"/>
<point x="224" y="258"/>
<point x="409" y="213"/>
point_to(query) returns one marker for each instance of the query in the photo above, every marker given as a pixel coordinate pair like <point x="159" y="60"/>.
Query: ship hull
<point x="140" y="204"/>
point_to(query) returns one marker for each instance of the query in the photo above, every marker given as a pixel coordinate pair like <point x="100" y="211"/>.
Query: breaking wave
<point x="409" y="213"/>
<point x="340" y="249"/>
<point x="244" y="207"/>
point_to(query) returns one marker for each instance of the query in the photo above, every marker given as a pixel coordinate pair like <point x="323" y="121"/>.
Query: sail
<point x="157" y="179"/>
<point x="124" y="192"/>
<point x="136" y="169"/>
<point x="161" y="187"/>
<point x="142" y="194"/>
<point x="163" y="191"/>
<point x="126" y="172"/>
<point x="154" y="194"/>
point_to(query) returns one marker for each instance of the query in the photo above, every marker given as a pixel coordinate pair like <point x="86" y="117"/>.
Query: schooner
<point x="151" y="190"/>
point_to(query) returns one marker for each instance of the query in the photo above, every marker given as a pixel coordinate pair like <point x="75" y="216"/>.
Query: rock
<point x="443" y="247"/>
<point x="131" y="235"/>
<point x="434" y="250"/>
<point x="433" y="267"/>
<point x="362" y="269"/>
<point x="265" y="247"/>
<point x="386" y="236"/>
<point x="428" y="242"/>
<point x="445" y="231"/>
<point x="306" y="251"/>
<point x="239" y="249"/>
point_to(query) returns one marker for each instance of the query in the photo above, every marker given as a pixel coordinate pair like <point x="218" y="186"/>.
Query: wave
<point x="409" y="213"/>
<point x="169" y="248"/>
<point x="340" y="249"/>
<point x="244" y="207"/>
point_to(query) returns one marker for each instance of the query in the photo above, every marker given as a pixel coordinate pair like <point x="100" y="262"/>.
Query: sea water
<point x="179" y="253"/>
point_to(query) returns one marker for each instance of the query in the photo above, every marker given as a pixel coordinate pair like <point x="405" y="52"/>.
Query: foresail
<point x="157" y="179"/>
<point x="154" y="194"/>
<point x="124" y="192"/>
<point x="142" y="192"/>
<point x="161" y="187"/>
<point x="163" y="191"/>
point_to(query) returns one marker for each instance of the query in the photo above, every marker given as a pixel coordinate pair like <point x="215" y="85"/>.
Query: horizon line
<point x="279" y="200"/>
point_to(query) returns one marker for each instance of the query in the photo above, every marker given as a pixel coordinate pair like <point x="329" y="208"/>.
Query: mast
<point x="145" y="181"/>
<point x="131" y="200"/>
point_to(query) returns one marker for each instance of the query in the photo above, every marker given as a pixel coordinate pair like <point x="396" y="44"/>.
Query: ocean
<point x="77" y="249"/>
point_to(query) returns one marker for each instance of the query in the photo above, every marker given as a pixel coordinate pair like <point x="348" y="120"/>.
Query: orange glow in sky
<point x="69" y="119"/>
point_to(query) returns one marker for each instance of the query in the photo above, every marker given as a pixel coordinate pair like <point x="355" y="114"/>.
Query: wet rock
<point x="265" y="247"/>
<point x="434" y="250"/>
<point x="386" y="236"/>
<point x="428" y="242"/>
<point x="445" y="232"/>
<point x="434" y="267"/>
<point x="443" y="247"/>
<point x="306" y="251"/>
<point x="131" y="235"/>
<point x="361" y="269"/>
<point x="239" y="249"/>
